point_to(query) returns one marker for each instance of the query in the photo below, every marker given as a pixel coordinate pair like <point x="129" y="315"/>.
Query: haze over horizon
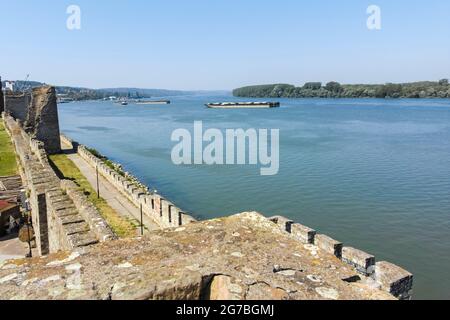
<point x="200" y="45"/>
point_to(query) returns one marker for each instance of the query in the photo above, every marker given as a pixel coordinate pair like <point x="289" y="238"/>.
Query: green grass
<point x="8" y="165"/>
<point x="121" y="226"/>
<point x="106" y="161"/>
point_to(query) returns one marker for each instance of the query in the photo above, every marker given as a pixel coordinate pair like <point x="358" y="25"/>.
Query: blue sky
<point x="223" y="44"/>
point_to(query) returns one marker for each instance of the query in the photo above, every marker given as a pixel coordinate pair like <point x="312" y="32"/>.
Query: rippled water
<point x="374" y="174"/>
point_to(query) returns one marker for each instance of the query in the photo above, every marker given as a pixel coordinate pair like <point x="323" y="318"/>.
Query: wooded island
<point x="425" y="89"/>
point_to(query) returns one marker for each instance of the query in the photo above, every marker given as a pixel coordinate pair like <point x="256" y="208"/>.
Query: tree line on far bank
<point x="78" y="93"/>
<point x="425" y="89"/>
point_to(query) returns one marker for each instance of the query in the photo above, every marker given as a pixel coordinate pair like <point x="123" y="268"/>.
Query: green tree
<point x="313" y="85"/>
<point x="334" y="87"/>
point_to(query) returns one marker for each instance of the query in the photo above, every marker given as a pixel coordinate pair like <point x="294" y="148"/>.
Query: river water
<point x="374" y="174"/>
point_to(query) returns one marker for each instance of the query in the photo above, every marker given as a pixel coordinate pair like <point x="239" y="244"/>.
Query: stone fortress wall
<point x="64" y="220"/>
<point x="161" y="210"/>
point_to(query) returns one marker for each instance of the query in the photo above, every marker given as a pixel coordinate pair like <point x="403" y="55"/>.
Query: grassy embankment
<point x="123" y="227"/>
<point x="8" y="165"/>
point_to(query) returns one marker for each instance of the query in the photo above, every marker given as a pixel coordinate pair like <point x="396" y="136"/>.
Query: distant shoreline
<point x="334" y="90"/>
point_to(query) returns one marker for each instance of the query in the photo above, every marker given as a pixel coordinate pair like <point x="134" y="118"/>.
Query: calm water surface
<point x="374" y="174"/>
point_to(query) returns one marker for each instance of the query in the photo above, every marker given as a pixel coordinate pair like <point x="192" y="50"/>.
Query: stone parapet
<point x="394" y="280"/>
<point x="284" y="223"/>
<point x="241" y="257"/>
<point x="363" y="262"/>
<point x="68" y="142"/>
<point x="303" y="233"/>
<point x="387" y="276"/>
<point x="329" y="245"/>
<point x="160" y="210"/>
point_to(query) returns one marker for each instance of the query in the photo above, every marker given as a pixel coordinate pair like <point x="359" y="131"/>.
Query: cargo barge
<point x="243" y="105"/>
<point x="149" y="102"/>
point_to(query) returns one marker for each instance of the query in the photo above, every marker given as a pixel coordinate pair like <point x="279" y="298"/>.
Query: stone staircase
<point x="76" y="228"/>
<point x="73" y="230"/>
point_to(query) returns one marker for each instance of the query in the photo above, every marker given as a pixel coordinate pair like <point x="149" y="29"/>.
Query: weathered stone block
<point x="66" y="213"/>
<point x="394" y="280"/>
<point x="362" y="261"/>
<point x="284" y="223"/>
<point x="74" y="228"/>
<point x="187" y="219"/>
<point x="222" y="288"/>
<point x="329" y="245"/>
<point x="303" y="233"/>
<point x="76" y="218"/>
<point x="82" y="239"/>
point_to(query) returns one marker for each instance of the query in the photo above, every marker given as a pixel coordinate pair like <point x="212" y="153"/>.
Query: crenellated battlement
<point x="388" y="276"/>
<point x="241" y="257"/>
<point x="161" y="210"/>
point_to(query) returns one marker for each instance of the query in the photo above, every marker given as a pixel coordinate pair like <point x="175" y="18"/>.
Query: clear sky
<point x="223" y="44"/>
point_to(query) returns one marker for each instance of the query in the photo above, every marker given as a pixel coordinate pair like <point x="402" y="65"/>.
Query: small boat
<point x="124" y="103"/>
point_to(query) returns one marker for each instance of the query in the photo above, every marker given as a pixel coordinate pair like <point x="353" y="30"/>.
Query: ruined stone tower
<point x="42" y="118"/>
